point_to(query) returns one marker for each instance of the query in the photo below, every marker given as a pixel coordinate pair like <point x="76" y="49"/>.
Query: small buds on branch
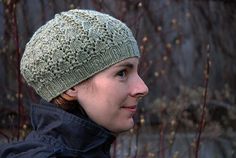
<point x="203" y="115"/>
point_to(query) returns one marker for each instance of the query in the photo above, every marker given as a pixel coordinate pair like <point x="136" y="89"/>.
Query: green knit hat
<point x="72" y="47"/>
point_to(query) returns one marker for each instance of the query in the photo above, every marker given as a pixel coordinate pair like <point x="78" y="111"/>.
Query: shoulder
<point x="26" y="149"/>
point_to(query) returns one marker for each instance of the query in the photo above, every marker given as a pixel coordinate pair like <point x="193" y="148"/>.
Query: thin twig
<point x="137" y="141"/>
<point x="16" y="38"/>
<point x="202" y="121"/>
<point x="161" y="142"/>
<point x="5" y="136"/>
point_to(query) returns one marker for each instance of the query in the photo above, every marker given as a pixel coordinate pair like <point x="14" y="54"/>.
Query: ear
<point x="70" y="94"/>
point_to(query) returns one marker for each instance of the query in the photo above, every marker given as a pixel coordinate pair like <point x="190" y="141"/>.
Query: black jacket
<point x="59" y="134"/>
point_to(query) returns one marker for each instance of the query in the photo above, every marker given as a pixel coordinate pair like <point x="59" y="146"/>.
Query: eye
<point x="122" y="74"/>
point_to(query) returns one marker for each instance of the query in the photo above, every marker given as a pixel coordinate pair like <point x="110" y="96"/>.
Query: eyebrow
<point x="126" y="64"/>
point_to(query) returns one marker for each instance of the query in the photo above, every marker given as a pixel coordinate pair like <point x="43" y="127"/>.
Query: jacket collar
<point x="76" y="133"/>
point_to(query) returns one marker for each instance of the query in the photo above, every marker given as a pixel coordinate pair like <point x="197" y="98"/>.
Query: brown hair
<point x="69" y="104"/>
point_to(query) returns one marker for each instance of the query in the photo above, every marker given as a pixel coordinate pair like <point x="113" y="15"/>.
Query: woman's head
<point x="75" y="54"/>
<point x="71" y="48"/>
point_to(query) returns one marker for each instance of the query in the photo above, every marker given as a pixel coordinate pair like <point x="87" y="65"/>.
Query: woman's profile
<point x="84" y="65"/>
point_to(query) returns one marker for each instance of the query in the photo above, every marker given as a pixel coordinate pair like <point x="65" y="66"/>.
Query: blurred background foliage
<point x="188" y="62"/>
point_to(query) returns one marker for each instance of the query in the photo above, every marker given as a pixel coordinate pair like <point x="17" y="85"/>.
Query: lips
<point x="130" y="108"/>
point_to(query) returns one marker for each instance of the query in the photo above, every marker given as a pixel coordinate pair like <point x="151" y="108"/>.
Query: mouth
<point x="130" y="108"/>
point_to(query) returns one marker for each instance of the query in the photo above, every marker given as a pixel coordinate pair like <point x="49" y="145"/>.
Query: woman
<point x="84" y="65"/>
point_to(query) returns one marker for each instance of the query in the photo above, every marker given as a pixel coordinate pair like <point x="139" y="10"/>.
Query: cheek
<point x="102" y="104"/>
<point x="111" y="94"/>
<point x="104" y="107"/>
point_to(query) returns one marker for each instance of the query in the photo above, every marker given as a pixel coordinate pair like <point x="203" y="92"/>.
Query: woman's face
<point x="110" y="98"/>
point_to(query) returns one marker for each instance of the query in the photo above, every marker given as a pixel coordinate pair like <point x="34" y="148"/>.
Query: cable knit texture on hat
<point x="72" y="47"/>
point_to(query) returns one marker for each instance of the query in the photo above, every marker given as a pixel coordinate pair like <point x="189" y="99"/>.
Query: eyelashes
<point x="122" y="74"/>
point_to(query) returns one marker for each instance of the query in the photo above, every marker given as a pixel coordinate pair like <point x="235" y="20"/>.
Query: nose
<point x="139" y="89"/>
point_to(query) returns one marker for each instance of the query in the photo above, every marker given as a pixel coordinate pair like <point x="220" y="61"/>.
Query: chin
<point x="125" y="127"/>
